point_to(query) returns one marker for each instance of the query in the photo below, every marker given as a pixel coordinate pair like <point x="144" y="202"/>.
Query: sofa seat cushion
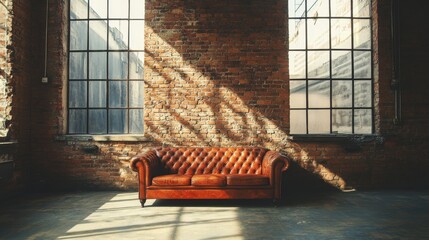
<point x="172" y="180"/>
<point x="247" y="180"/>
<point x="208" y="180"/>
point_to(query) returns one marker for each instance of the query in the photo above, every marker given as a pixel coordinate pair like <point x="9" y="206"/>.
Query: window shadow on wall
<point x="216" y="75"/>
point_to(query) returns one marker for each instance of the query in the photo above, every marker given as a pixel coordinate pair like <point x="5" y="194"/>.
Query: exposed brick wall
<point x="18" y="90"/>
<point x="216" y="74"/>
<point x="5" y="34"/>
<point x="406" y="149"/>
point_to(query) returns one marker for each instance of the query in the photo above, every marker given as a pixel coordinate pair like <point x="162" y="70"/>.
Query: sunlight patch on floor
<point x="122" y="217"/>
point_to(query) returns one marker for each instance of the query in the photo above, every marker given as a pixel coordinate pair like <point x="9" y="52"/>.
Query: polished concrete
<point x="118" y="215"/>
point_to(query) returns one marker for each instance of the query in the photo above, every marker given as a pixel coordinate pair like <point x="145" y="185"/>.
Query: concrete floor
<point x="118" y="215"/>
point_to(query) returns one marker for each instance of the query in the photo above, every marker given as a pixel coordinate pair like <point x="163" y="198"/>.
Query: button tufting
<point x="212" y="160"/>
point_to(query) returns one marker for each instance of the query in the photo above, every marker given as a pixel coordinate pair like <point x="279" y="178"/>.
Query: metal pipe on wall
<point x="396" y="53"/>
<point x="45" y="77"/>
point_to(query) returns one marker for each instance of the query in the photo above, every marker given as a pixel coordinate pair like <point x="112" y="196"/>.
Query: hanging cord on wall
<point x="45" y="75"/>
<point x="396" y="53"/>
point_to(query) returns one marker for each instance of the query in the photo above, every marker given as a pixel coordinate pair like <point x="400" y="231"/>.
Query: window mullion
<point x="330" y="66"/>
<point x="107" y="68"/>
<point x="306" y="68"/>
<point x="353" y="65"/>
<point x="128" y="72"/>
<point x="87" y="67"/>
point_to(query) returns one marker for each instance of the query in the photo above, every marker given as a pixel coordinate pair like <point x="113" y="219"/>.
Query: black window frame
<point x="107" y="80"/>
<point x="353" y="49"/>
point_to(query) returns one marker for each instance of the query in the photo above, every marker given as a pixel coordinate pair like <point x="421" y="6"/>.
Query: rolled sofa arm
<point x="147" y="165"/>
<point x="274" y="164"/>
<point x="149" y="158"/>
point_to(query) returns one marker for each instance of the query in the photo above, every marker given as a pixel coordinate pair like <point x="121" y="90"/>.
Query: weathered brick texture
<point x="17" y="96"/>
<point x="5" y="67"/>
<point x="216" y="74"/>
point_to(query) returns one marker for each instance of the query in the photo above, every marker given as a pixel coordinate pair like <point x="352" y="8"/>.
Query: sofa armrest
<point x="147" y="165"/>
<point x="273" y="164"/>
<point x="150" y="158"/>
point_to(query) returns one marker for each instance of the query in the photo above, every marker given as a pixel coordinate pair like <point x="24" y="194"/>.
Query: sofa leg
<point x="142" y="201"/>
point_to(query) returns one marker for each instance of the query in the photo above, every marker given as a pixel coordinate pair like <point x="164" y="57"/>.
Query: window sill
<point x="335" y="137"/>
<point x="104" y="138"/>
<point x="350" y="142"/>
<point x="6" y="147"/>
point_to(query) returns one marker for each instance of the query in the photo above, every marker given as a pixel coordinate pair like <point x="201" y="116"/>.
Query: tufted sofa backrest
<point x="192" y="161"/>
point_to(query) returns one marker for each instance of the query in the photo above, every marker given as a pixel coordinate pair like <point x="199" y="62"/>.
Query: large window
<point x="106" y="50"/>
<point x="330" y="66"/>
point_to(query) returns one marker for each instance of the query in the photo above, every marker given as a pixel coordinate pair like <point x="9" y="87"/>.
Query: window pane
<point x="78" y="9"/>
<point x="318" y="8"/>
<point x="136" y="65"/>
<point x="318" y="33"/>
<point x="118" y="65"/>
<point x="118" y="9"/>
<point x="78" y="33"/>
<point x="117" y="94"/>
<point x="77" y="65"/>
<point x="362" y="62"/>
<point x="342" y="121"/>
<point x="137" y="35"/>
<point x="319" y="94"/>
<point x="331" y="74"/>
<point x="297" y="34"/>
<point x="97" y="35"/>
<point x="318" y="121"/>
<point x="77" y="94"/>
<point x="342" y="94"/>
<point x="361" y="8"/>
<point x="97" y="29"/>
<point x="362" y="33"/>
<point x="136" y="93"/>
<point x="297" y="62"/>
<point x="97" y="94"/>
<point x="340" y="8"/>
<point x="77" y="121"/>
<point x="341" y="33"/>
<point x="298" y="94"/>
<point x="363" y="94"/>
<point x="137" y="9"/>
<point x="118" y="34"/>
<point x="296" y="8"/>
<point x="98" y="9"/>
<point x="318" y="64"/>
<point x="97" y="121"/>
<point x="363" y="121"/>
<point x="341" y="64"/>
<point x="97" y="65"/>
<point x="118" y="121"/>
<point x="136" y="120"/>
<point x="298" y="122"/>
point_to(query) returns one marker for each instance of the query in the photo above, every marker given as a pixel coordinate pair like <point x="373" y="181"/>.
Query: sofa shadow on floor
<point x="302" y="187"/>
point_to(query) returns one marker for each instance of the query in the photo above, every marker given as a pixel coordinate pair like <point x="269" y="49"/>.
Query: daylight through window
<point x="106" y="50"/>
<point x="330" y="65"/>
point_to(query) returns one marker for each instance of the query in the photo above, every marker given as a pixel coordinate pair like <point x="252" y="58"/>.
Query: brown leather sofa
<point x="209" y="173"/>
